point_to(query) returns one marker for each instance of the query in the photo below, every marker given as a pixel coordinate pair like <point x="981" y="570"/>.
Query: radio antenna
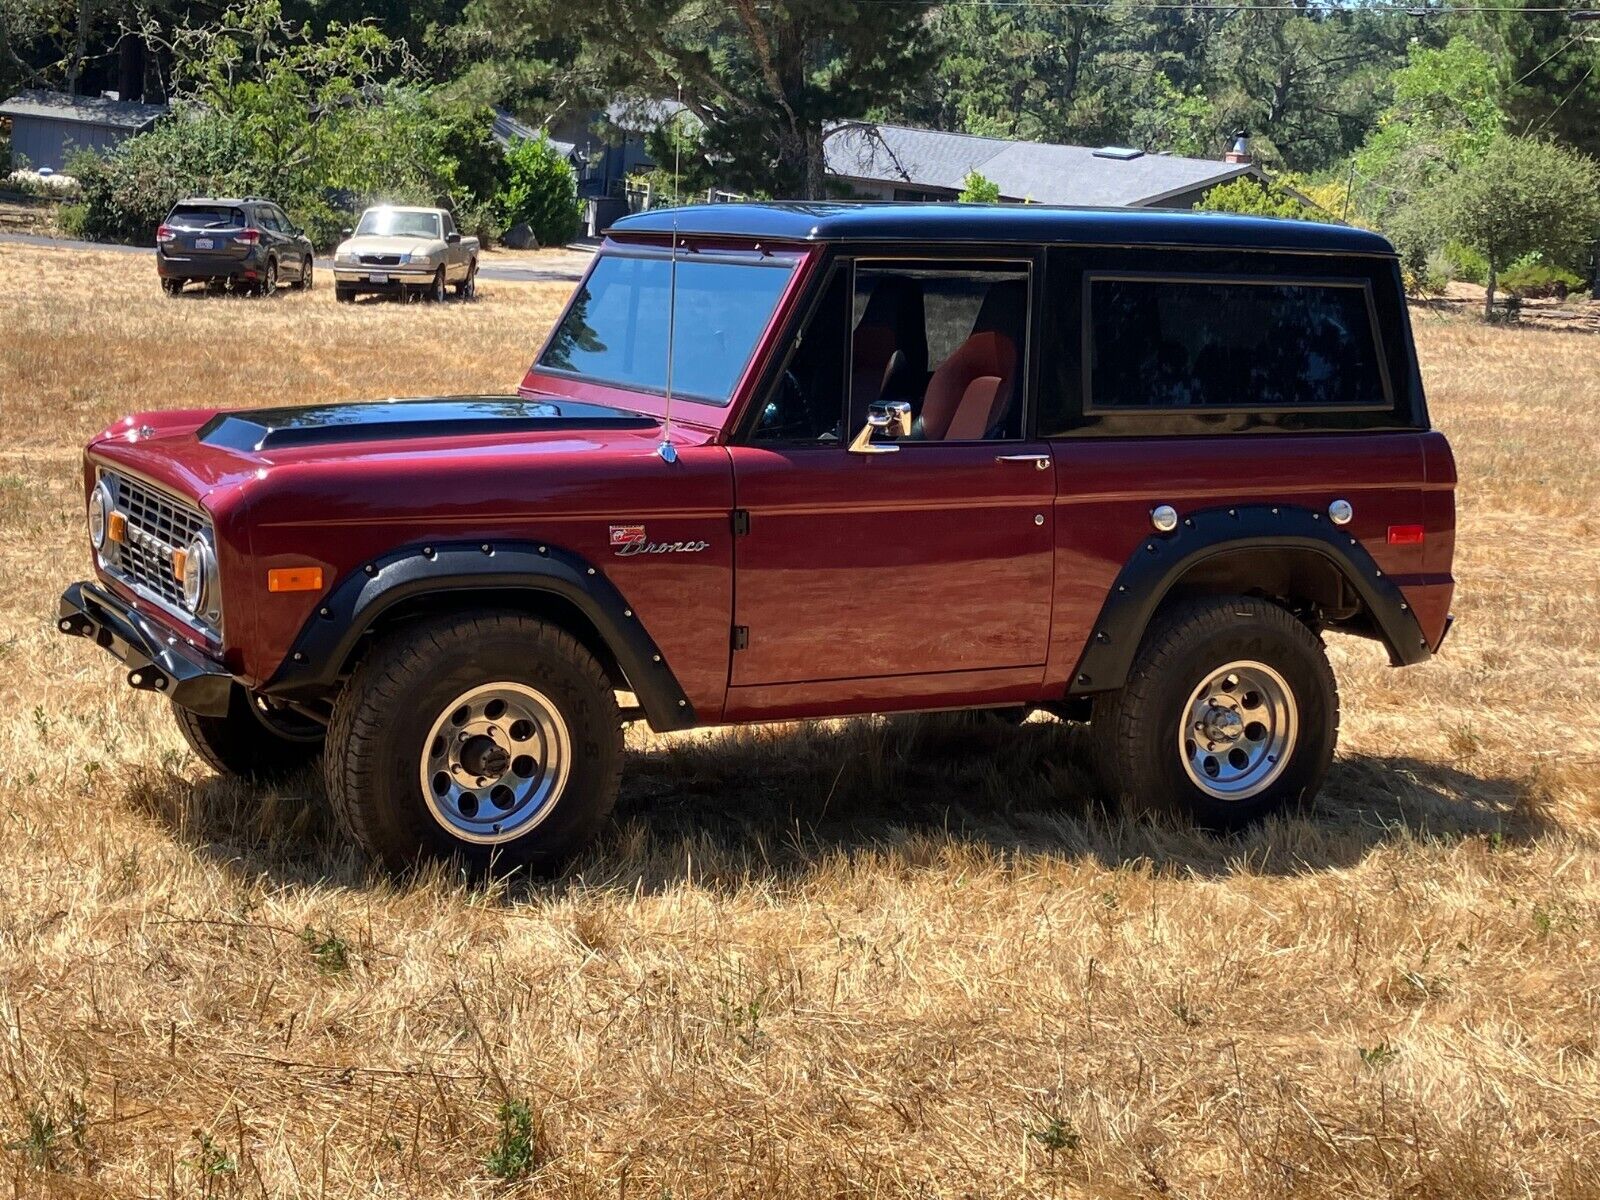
<point x="667" y="451"/>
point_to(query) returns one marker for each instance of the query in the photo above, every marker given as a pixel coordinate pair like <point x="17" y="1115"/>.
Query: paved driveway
<point x="543" y="266"/>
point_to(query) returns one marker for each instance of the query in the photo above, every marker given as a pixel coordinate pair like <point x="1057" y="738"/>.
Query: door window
<point x="807" y="401"/>
<point x="951" y="341"/>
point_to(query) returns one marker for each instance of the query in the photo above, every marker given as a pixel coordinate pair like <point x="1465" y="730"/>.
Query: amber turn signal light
<point x="294" y="579"/>
<point x="117" y="527"/>
<point x="180" y="560"/>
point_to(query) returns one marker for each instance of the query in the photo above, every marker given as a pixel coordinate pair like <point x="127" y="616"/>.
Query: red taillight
<point x="1405" y="535"/>
<point x="247" y="237"/>
<point x="164" y="234"/>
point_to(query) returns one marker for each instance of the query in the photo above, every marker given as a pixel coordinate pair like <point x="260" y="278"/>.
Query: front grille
<point x="380" y="260"/>
<point x="158" y="524"/>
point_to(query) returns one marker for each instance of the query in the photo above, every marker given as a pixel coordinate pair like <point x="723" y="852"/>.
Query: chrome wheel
<point x="495" y="763"/>
<point x="1239" y="730"/>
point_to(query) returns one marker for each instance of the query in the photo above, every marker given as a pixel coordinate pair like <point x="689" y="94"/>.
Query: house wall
<point x="49" y="143"/>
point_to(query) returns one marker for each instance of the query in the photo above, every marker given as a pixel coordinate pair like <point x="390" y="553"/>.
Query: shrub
<point x="1536" y="281"/>
<point x="1466" y="263"/>
<point x="1251" y="197"/>
<point x="976" y="189"/>
<point x="541" y="188"/>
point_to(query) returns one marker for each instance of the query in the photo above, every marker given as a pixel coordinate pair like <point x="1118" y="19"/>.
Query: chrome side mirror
<point x="891" y="416"/>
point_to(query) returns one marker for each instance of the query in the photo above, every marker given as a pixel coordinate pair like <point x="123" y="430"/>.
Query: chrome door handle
<point x="1040" y="461"/>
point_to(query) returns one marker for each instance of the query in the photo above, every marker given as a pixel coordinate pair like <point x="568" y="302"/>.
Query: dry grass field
<point x="904" y="958"/>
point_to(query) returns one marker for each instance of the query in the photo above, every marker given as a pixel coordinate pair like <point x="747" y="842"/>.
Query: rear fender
<point x="1163" y="559"/>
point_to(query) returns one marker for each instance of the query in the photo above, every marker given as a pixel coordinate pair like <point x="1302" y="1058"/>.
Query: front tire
<point x="1230" y="713"/>
<point x="344" y="295"/>
<point x="435" y="292"/>
<point x="492" y="738"/>
<point x="254" y="740"/>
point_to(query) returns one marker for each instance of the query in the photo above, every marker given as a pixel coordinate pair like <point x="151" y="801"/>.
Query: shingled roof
<point x="82" y="110"/>
<point x="1038" y="171"/>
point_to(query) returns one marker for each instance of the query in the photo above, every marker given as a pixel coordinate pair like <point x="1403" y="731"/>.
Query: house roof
<point x="1029" y="224"/>
<point x="81" y="110"/>
<point x="1036" y="171"/>
<point x="508" y="129"/>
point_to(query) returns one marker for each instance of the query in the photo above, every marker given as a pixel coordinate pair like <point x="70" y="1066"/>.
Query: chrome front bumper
<point x="363" y="275"/>
<point x="156" y="662"/>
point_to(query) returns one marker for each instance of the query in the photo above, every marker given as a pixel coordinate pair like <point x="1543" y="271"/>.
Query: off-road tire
<point x="243" y="744"/>
<point x="381" y="725"/>
<point x="1134" y="731"/>
<point x="344" y="295"/>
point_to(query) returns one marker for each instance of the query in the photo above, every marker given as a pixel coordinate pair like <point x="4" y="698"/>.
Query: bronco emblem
<point x="629" y="540"/>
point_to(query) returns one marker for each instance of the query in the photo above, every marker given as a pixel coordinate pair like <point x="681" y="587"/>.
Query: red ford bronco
<point x="783" y="461"/>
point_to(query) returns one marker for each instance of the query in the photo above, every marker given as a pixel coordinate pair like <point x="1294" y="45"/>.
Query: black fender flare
<point x="1164" y="558"/>
<point x="326" y="641"/>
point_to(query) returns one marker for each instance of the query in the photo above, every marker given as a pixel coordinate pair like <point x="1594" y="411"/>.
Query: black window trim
<point x="1086" y="346"/>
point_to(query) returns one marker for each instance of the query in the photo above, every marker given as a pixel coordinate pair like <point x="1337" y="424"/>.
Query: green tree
<point x="541" y="188"/>
<point x="1523" y="197"/>
<point x="767" y="81"/>
<point x="976" y="189"/>
<point x="1547" y="71"/>
<point x="1442" y="115"/>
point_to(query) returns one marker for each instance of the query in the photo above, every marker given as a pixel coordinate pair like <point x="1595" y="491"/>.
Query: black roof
<point x="1029" y="223"/>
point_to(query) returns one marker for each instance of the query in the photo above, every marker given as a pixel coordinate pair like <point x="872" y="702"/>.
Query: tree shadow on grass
<point x="779" y="803"/>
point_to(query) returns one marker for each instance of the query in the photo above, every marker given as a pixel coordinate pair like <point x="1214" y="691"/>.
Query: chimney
<point x="1240" y="150"/>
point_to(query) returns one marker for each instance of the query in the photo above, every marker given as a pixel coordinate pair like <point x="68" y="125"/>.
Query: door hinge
<point x="741" y="637"/>
<point x="741" y="522"/>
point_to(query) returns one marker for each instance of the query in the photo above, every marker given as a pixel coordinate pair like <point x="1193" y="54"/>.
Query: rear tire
<point x="467" y="289"/>
<point x="172" y="287"/>
<point x="1230" y="713"/>
<point x="306" y="271"/>
<point x="251" y="741"/>
<point x="269" y="279"/>
<point x="491" y="738"/>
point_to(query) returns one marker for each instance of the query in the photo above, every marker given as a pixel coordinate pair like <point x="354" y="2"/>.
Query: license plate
<point x="379" y="277"/>
<point x="204" y="244"/>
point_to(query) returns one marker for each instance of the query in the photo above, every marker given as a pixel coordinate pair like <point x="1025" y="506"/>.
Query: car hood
<point x="271" y="431"/>
<point x="372" y="244"/>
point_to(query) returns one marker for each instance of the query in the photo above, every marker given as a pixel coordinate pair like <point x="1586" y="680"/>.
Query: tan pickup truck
<point x="400" y="251"/>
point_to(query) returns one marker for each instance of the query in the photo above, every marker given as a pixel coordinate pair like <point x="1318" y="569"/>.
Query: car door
<point x="897" y="569"/>
<point x="454" y="256"/>
<point x="291" y="261"/>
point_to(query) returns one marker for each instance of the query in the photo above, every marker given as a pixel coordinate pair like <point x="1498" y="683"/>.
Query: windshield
<point x="391" y="222"/>
<point x="616" y="329"/>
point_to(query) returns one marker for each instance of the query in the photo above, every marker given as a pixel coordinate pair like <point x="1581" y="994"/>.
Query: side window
<point x="284" y="225"/>
<point x="807" y="402"/>
<point x="1192" y="342"/>
<point x="949" y="340"/>
<point x="449" y="224"/>
<point x="263" y="217"/>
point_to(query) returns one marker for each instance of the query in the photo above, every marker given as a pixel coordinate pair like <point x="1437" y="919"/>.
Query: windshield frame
<point x="436" y="236"/>
<point x="704" y="415"/>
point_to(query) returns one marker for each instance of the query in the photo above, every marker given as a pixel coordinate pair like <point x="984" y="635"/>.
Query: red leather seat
<point x="972" y="390"/>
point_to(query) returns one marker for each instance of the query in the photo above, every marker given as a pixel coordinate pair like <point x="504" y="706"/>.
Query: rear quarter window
<point x="1183" y="342"/>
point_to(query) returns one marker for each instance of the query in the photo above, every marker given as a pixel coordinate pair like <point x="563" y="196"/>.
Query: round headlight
<point x="199" y="564"/>
<point x="100" y="504"/>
